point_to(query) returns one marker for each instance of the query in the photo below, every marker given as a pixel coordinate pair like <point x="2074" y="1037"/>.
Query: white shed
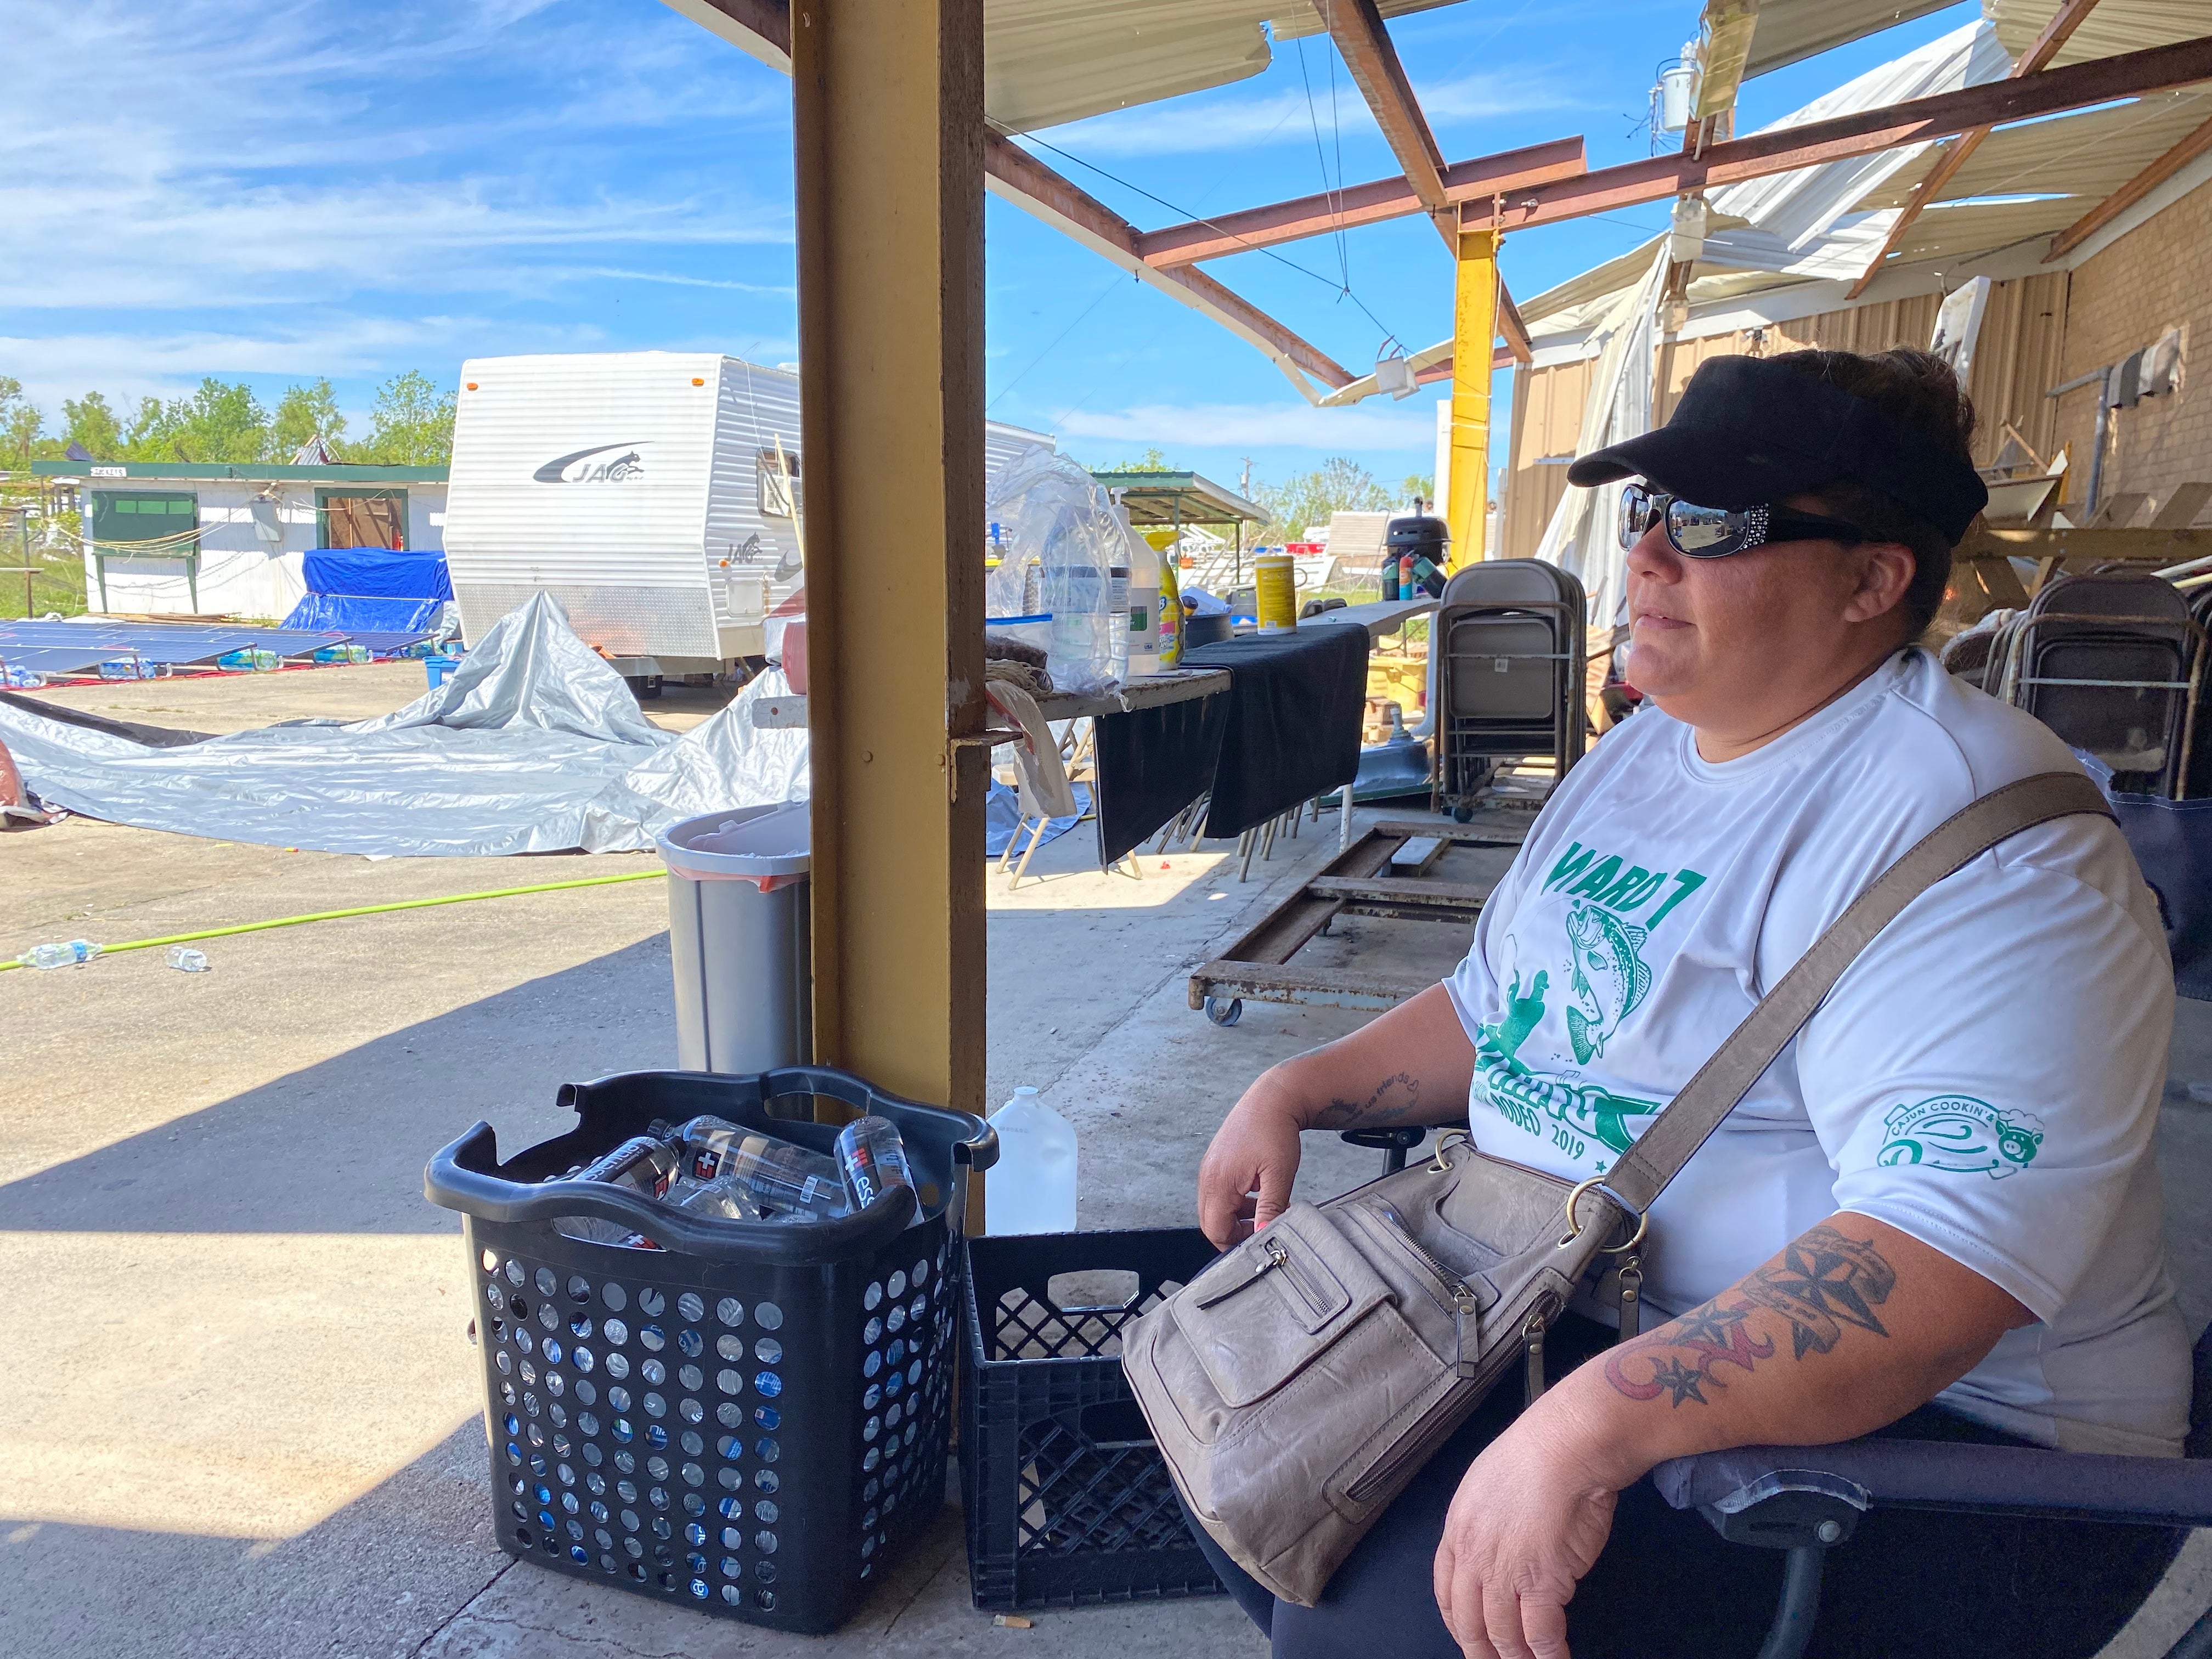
<point x="178" y="539"/>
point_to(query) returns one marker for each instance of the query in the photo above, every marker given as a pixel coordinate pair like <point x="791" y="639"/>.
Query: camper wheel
<point x="644" y="687"/>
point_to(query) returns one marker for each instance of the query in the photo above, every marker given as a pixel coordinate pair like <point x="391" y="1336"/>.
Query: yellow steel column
<point x="1474" y="326"/>
<point x="888" y="128"/>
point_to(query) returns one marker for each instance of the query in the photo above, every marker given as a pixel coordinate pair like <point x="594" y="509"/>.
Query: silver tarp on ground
<point x="533" y="745"/>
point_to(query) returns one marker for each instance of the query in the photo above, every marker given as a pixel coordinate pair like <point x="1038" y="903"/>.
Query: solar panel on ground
<point x="93" y="642"/>
<point x="51" y="659"/>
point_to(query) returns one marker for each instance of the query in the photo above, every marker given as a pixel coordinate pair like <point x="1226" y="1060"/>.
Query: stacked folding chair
<point x="2111" y="661"/>
<point x="1507" y="643"/>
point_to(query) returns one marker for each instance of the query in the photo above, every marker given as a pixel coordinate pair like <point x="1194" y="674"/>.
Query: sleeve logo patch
<point x="1963" y="1136"/>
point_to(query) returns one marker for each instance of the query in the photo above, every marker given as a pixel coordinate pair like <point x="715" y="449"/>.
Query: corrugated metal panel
<point x="1547" y="413"/>
<point x="588" y="475"/>
<point x="1048" y="61"/>
<point x="1792" y="29"/>
<point x="1950" y="229"/>
<point x="2091" y="153"/>
<point x="2111" y="27"/>
<point x="2017" y="357"/>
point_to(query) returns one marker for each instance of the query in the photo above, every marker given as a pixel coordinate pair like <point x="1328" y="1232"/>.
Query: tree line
<point x="1304" y="501"/>
<point x="411" y="424"/>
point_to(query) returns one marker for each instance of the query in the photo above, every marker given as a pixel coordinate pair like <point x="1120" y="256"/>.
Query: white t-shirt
<point x="1986" y="1076"/>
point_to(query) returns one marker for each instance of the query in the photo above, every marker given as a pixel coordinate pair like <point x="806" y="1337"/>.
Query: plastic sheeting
<point x="374" y="590"/>
<point x="1050" y="509"/>
<point x="534" y="744"/>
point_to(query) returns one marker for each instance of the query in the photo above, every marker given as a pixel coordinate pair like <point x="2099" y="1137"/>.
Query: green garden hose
<point x="368" y="910"/>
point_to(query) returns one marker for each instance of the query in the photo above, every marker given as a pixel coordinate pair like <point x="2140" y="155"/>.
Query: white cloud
<point x="1294" y="426"/>
<point x="1190" y="125"/>
<point x="206" y="154"/>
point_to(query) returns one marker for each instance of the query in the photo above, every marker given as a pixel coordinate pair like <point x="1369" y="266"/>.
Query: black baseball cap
<point x="1749" y="430"/>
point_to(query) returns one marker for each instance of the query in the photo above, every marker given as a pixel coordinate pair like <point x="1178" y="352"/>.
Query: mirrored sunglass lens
<point x="1698" y="529"/>
<point x="1635" y="513"/>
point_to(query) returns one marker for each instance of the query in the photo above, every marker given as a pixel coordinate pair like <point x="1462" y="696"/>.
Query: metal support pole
<point x="1344" y="822"/>
<point x="888" y="135"/>
<point x="1799" y="1605"/>
<point x="1474" y="319"/>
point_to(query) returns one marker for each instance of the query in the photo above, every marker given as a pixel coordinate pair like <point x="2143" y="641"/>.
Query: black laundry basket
<point x="1068" y="1503"/>
<point x="750" y="1420"/>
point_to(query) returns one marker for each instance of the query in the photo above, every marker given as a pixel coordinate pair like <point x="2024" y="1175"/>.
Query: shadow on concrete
<point x="339" y="1146"/>
<point x="380" y="1575"/>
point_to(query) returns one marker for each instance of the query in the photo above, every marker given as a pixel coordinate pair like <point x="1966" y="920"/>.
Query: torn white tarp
<point x="533" y="745"/>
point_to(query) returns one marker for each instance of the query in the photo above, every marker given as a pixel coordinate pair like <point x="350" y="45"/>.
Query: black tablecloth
<point x="1152" y="763"/>
<point x="1292" y="726"/>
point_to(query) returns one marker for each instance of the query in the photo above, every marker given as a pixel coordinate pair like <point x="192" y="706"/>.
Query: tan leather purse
<point x="1296" y="1385"/>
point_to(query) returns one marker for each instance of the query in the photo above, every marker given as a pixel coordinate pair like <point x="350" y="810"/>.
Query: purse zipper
<point x="1273" y="1256"/>
<point x="1465" y="1305"/>
<point x="1414" y="1445"/>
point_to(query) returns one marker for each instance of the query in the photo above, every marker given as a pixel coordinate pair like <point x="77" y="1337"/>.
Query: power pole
<point x="1243" y="489"/>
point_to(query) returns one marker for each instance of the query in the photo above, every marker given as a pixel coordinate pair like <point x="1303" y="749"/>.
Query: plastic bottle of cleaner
<point x="1032" y="1189"/>
<point x="1144" y="600"/>
<point x="1170" y="626"/>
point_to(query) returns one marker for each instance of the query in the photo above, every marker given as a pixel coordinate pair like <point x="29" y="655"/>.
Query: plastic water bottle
<point x="59" y="956"/>
<point x="190" y="961"/>
<point x="872" y="1156"/>
<point x="724" y="1199"/>
<point x="1031" y="1188"/>
<point x="642" y="1163"/>
<point x="786" y="1180"/>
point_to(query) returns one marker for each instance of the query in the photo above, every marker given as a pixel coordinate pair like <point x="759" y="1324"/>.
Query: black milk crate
<point x="1067" y="1501"/>
<point x="750" y="1421"/>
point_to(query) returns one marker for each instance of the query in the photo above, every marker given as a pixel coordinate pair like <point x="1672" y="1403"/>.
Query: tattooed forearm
<point x="1396" y="1099"/>
<point x="1823" y="1282"/>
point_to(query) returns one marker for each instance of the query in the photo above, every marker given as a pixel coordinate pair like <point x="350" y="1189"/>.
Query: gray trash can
<point x="738" y="929"/>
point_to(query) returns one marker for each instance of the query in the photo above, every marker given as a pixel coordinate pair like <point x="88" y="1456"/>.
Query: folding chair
<point x="1807" y="1499"/>
<point x="2110" y="662"/>
<point x="1508" y="645"/>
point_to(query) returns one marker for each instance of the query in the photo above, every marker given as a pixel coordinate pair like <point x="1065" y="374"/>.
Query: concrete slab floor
<point x="243" y="1418"/>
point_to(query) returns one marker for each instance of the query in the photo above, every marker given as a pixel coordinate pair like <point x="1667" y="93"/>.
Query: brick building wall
<point x="2157" y="277"/>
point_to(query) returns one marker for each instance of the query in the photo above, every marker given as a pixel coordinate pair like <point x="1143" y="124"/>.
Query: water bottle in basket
<point x="644" y="1162"/>
<point x="873" y="1156"/>
<point x="790" y="1181"/>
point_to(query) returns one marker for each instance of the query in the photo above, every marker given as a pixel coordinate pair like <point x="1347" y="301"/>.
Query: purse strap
<point x="1697" y="1110"/>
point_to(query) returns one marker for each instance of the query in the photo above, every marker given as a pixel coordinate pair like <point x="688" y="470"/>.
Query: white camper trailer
<point x="655" y="494"/>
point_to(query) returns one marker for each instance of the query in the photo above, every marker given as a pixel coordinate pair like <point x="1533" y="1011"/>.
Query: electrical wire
<point x="1195" y="218"/>
<point x="1112" y="285"/>
<point x="367" y="910"/>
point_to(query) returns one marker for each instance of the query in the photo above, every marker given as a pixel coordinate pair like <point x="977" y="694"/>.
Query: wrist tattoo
<point x="1823" y="1282"/>
<point x="1396" y="1099"/>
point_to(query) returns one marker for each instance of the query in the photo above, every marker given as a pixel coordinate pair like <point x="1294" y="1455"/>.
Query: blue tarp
<point x="1002" y="817"/>
<point x="378" y="573"/>
<point x="378" y="590"/>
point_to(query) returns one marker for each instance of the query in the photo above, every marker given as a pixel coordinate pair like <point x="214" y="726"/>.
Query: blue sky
<point x="325" y="188"/>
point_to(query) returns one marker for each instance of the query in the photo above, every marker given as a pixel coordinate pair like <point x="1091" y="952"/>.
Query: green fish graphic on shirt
<point x="1609" y="977"/>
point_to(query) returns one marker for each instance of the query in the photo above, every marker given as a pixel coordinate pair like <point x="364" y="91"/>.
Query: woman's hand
<point x="1528" y="1522"/>
<point x="1244" y="1181"/>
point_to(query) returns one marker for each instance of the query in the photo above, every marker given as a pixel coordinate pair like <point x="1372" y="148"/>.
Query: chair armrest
<point x="1939" y="1474"/>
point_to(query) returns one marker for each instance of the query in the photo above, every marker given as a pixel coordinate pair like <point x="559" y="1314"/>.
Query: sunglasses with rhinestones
<point x="1714" y="532"/>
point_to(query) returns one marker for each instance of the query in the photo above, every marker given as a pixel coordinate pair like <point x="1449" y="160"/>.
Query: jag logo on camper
<point x="576" y="467"/>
